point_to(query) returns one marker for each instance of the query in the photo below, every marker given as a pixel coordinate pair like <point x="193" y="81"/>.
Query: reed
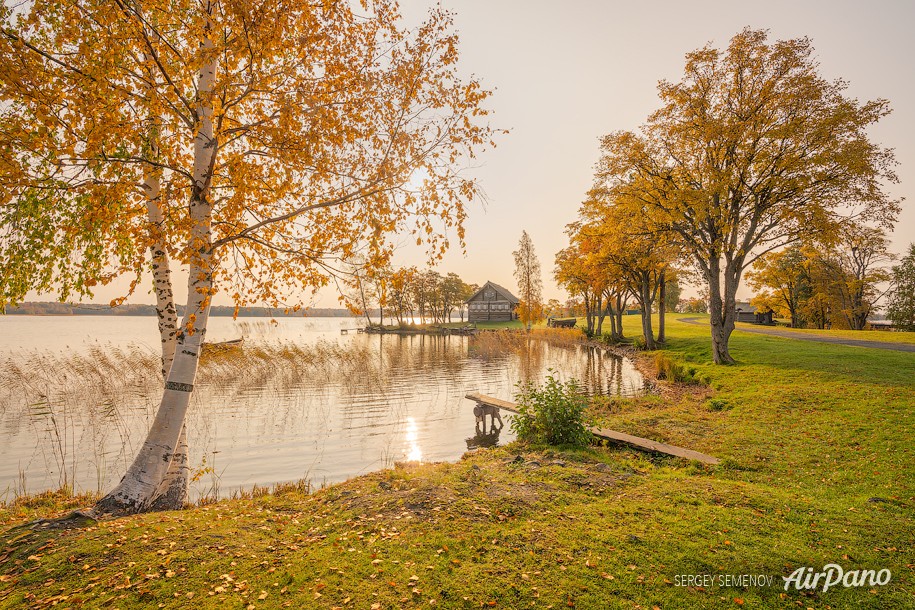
<point x="89" y="409"/>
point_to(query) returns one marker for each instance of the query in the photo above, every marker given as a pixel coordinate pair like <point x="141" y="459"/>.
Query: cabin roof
<point x="745" y="307"/>
<point x="503" y="292"/>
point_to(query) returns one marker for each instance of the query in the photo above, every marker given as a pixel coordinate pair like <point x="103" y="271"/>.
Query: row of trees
<point x="832" y="285"/>
<point x="751" y="151"/>
<point x="613" y="257"/>
<point x="836" y="285"/>
<point x="407" y="294"/>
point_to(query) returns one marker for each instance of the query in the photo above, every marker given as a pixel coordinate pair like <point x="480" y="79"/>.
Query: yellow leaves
<point x="325" y="127"/>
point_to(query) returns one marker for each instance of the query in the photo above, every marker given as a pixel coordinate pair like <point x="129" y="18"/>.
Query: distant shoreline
<point x="75" y="309"/>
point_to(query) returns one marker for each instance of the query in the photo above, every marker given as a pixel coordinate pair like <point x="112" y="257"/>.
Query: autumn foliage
<point x="750" y="151"/>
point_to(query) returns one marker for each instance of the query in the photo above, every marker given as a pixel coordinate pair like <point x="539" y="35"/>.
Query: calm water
<point x="77" y="395"/>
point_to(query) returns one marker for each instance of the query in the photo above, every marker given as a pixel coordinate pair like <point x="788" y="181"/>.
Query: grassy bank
<point x="818" y="468"/>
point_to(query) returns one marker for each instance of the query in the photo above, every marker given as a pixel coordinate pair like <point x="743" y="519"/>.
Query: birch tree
<point x="255" y="145"/>
<point x="750" y="151"/>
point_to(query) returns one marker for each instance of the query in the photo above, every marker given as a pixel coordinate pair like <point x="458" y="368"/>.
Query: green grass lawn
<point x="818" y="467"/>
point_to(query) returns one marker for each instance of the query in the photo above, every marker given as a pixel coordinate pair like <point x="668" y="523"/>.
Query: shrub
<point x="678" y="372"/>
<point x="552" y="414"/>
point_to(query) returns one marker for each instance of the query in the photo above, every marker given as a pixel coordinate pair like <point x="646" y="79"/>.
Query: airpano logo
<point x="833" y="575"/>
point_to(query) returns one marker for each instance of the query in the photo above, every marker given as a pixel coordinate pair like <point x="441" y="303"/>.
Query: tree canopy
<point x="332" y="128"/>
<point x="751" y="150"/>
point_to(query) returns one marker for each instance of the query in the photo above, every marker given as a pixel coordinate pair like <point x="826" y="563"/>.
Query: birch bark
<point x="147" y="483"/>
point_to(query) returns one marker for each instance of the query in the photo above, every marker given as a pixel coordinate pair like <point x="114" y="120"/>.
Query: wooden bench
<point x="636" y="442"/>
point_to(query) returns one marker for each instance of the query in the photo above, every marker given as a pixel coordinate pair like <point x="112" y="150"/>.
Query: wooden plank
<point x="650" y="445"/>
<point x="495" y="402"/>
<point x="613" y="436"/>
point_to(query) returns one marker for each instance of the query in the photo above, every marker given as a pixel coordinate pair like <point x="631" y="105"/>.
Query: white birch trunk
<point x="172" y="493"/>
<point x="145" y="486"/>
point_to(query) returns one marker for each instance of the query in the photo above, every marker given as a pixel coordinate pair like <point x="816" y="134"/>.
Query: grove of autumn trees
<point x="407" y="295"/>
<point x="750" y="151"/>
<point x="614" y="257"/>
<point x="255" y="145"/>
<point x="832" y="285"/>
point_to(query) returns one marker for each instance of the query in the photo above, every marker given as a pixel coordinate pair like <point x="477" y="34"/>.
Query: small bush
<point x="552" y="414"/>
<point x="676" y="371"/>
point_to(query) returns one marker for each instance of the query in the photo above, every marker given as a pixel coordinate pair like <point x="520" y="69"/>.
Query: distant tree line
<point x="91" y="309"/>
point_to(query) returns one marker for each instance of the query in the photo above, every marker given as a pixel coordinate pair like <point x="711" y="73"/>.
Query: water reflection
<point x="414" y="454"/>
<point x="483" y="438"/>
<point x="299" y="400"/>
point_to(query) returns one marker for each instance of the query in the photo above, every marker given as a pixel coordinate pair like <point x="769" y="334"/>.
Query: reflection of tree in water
<point x="601" y="371"/>
<point x="532" y="360"/>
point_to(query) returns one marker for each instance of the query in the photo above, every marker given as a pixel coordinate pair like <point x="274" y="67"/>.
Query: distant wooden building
<point x="492" y="303"/>
<point x="749" y="313"/>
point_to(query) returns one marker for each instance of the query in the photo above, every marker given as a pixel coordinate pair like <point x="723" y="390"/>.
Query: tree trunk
<point x="614" y="331"/>
<point x="643" y="295"/>
<point x="662" y="306"/>
<point x="601" y="314"/>
<point x="620" y="306"/>
<point x="148" y="483"/>
<point x="722" y="310"/>
<point x="173" y="491"/>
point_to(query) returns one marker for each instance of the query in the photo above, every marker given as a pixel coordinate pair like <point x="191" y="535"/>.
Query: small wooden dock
<point x="636" y="442"/>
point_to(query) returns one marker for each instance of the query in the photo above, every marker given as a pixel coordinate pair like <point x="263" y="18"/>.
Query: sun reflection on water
<point x="414" y="453"/>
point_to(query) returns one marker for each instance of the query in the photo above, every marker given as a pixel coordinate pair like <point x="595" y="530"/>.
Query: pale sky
<point x="566" y="73"/>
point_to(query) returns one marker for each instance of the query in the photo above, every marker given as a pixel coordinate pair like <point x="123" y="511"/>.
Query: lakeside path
<point x="787" y="334"/>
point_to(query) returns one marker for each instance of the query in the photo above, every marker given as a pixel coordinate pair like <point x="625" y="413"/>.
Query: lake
<point x="298" y="400"/>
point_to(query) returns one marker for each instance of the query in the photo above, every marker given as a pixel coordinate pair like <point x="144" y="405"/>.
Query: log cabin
<point x="750" y="313"/>
<point x="492" y="303"/>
